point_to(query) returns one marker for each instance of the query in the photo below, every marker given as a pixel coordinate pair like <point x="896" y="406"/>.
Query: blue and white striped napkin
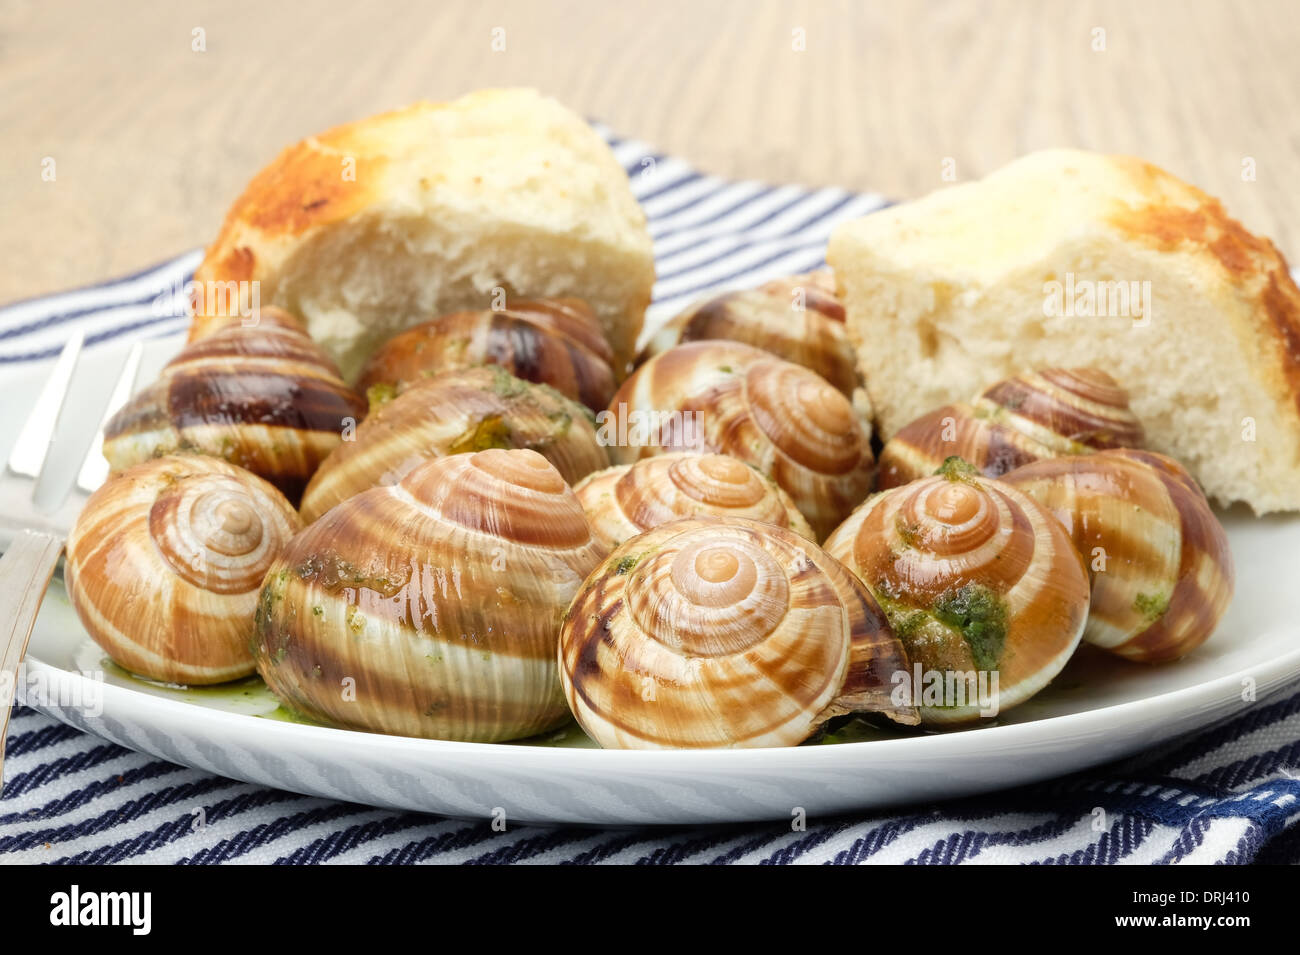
<point x="1230" y="794"/>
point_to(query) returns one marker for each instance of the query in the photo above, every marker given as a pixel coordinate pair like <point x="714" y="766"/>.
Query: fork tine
<point x="94" y="469"/>
<point x="28" y="455"/>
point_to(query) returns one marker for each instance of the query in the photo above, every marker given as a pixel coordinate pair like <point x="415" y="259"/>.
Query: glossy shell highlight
<point x="431" y="608"/>
<point x="1162" y="571"/>
<point x="165" y="563"/>
<point x="977" y="580"/>
<point x="557" y="342"/>
<point x="710" y="632"/>
<point x="263" y="397"/>
<point x="797" y="318"/>
<point x="729" y="398"/>
<point x="462" y="411"/>
<point x="1037" y="415"/>
<point x="629" y="499"/>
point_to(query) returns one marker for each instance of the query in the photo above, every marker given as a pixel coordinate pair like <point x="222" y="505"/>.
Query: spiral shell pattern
<point x="265" y="398"/>
<point x="976" y="578"/>
<point x="456" y="412"/>
<point x="629" y="499"/>
<point x="797" y="318"/>
<point x="1162" y="571"/>
<point x="431" y="608"/>
<point x="165" y="562"/>
<point x="1042" y="414"/>
<point x="557" y="342"/>
<point x="711" y="632"/>
<point x="734" y="399"/>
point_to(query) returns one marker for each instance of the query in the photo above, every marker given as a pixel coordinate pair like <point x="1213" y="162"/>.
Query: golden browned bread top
<point x="956" y="290"/>
<point x="373" y="225"/>
<point x="474" y="148"/>
<point x="1252" y="262"/>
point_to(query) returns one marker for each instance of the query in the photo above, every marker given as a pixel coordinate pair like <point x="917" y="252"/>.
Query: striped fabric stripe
<point x="1230" y="794"/>
<point x="71" y="798"/>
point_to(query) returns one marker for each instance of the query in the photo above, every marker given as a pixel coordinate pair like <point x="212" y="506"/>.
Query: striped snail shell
<point x="629" y="499"/>
<point x="1162" y="572"/>
<point x="977" y="580"/>
<point x="558" y="342"/>
<point x="798" y="318"/>
<point x="264" y="397"/>
<point x="735" y="399"/>
<point x="723" y="632"/>
<point x="431" y="608"/>
<point x="165" y="563"/>
<point x="471" y="410"/>
<point x="1041" y="414"/>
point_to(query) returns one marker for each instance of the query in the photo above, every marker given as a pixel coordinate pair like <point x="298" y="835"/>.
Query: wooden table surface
<point x="150" y="138"/>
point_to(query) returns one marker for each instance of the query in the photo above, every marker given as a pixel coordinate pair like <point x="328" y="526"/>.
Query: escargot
<point x="980" y="582"/>
<point x="431" y="608"/>
<point x="470" y="410"/>
<point x="165" y="562"/>
<point x="798" y="318"/>
<point x="1162" y="571"/>
<point x="558" y="342"/>
<point x="724" y="632"/>
<point x="735" y="399"/>
<point x="264" y="397"/>
<point x="628" y="499"/>
<point x="1041" y="414"/>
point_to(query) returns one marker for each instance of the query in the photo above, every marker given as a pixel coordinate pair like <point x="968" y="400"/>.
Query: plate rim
<point x="1269" y="675"/>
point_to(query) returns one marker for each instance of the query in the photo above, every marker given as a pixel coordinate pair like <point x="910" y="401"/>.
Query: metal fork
<point x="36" y="535"/>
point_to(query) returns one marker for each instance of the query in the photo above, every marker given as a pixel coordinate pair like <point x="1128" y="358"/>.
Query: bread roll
<point x="1073" y="258"/>
<point x="377" y="225"/>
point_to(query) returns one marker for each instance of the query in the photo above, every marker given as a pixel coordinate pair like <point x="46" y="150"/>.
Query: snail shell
<point x="976" y="578"/>
<point x="431" y="608"/>
<point x="735" y="399"/>
<point x="264" y="397"/>
<point x="558" y="342"/>
<point x="629" y="499"/>
<point x="165" y="562"/>
<point x="797" y="318"/>
<point x="713" y="632"/>
<point x="471" y="410"/>
<point x="1162" y="572"/>
<point x="1042" y="414"/>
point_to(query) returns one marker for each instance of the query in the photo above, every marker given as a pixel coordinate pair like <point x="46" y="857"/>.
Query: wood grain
<point x="151" y="139"/>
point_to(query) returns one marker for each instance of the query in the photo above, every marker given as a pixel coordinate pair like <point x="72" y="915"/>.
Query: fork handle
<point x="25" y="572"/>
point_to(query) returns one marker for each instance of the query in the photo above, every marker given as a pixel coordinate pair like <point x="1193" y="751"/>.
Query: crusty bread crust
<point x="487" y="187"/>
<point x="301" y="190"/>
<point x="1254" y="263"/>
<point x="946" y="295"/>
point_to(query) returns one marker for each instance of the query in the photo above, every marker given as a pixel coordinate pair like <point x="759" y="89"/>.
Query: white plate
<point x="1098" y="710"/>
